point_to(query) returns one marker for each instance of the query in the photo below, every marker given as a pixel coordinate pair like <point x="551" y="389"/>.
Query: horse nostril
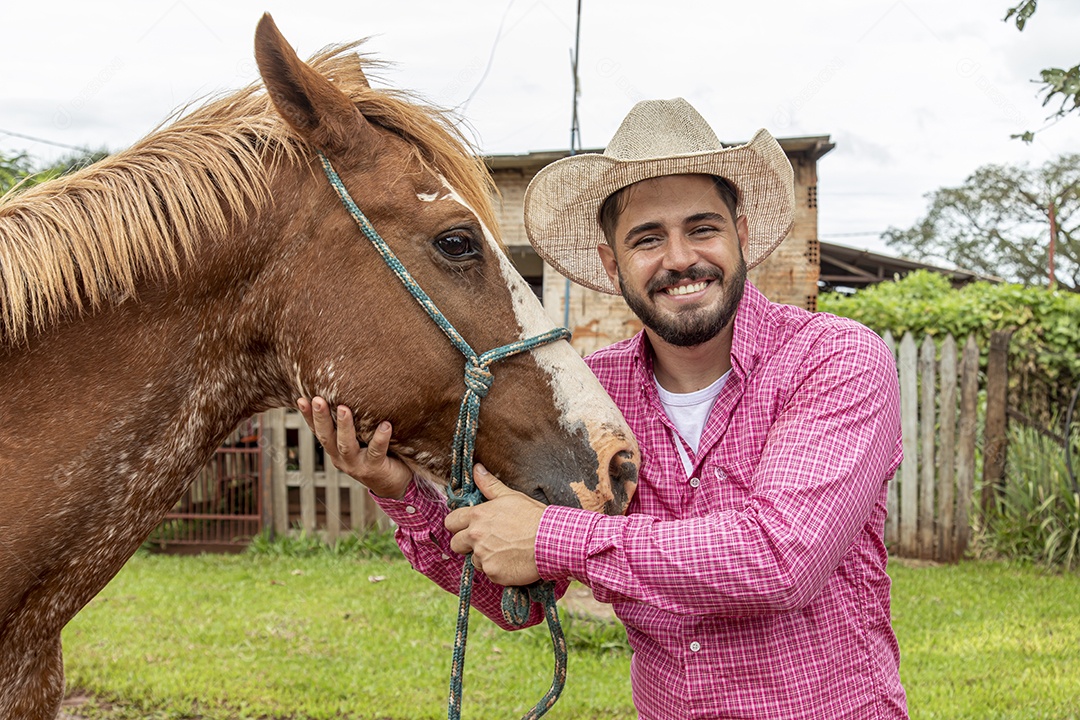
<point x="623" y="473"/>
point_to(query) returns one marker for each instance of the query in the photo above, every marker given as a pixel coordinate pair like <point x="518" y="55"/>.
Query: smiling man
<point x="675" y="250"/>
<point x="749" y="570"/>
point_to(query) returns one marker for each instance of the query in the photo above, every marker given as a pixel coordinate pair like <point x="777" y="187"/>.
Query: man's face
<point x="678" y="258"/>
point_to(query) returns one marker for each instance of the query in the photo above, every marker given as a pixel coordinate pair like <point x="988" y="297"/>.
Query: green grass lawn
<point x="330" y="637"/>
<point x="315" y="637"/>
<point x="987" y="640"/>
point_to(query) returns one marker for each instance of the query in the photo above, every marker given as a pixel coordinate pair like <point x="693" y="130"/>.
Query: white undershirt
<point x="689" y="412"/>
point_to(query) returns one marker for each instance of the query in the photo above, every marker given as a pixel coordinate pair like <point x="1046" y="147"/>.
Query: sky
<point x="916" y="94"/>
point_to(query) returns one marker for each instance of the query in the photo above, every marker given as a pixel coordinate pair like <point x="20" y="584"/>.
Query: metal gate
<point x="223" y="506"/>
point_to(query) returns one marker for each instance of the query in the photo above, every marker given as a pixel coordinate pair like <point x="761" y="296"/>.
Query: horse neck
<point x="143" y="390"/>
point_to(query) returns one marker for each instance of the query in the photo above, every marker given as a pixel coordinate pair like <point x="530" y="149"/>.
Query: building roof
<point x="811" y="146"/>
<point x="843" y="266"/>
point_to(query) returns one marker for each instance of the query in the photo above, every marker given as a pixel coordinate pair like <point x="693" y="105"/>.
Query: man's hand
<point x="500" y="533"/>
<point x="385" y="476"/>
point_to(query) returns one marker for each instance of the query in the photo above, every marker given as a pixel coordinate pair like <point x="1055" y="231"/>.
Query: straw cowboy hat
<point x="658" y="137"/>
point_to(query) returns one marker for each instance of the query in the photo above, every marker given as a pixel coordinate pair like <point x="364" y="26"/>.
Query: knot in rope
<point x="478" y="379"/>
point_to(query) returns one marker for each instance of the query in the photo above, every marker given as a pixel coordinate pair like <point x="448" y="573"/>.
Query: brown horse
<point x="152" y="301"/>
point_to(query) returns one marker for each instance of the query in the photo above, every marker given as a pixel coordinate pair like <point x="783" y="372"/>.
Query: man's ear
<point x="611" y="265"/>
<point x="744" y="233"/>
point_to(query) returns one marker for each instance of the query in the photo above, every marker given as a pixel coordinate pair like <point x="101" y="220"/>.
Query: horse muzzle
<point x="600" y="475"/>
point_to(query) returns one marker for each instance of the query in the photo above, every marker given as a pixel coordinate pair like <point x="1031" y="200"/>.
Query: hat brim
<point x="562" y="203"/>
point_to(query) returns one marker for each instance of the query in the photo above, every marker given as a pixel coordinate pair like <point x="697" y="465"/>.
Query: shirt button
<point x="410" y="509"/>
<point x="695" y="646"/>
<point x="694" y="482"/>
<point x="445" y="556"/>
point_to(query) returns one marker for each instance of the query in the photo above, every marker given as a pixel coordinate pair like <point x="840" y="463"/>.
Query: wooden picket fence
<point x="307" y="492"/>
<point x="930" y="499"/>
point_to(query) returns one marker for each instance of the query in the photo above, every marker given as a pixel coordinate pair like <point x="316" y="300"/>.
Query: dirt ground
<point x="579" y="600"/>
<point x="70" y="708"/>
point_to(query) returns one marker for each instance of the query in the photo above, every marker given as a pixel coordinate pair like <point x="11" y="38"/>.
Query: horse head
<point x="347" y="329"/>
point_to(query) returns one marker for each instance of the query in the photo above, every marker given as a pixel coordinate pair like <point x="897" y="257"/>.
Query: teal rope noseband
<point x="463" y="491"/>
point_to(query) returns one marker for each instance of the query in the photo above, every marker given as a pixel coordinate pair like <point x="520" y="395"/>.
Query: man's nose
<point x="680" y="252"/>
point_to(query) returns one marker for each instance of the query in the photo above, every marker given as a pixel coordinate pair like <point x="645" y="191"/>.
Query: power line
<point x="44" y="141"/>
<point x="491" y="59"/>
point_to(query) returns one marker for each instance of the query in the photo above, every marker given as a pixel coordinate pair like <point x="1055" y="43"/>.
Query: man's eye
<point x="456" y="245"/>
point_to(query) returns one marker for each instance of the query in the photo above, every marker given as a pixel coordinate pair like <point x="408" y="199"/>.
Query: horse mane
<point x="82" y="240"/>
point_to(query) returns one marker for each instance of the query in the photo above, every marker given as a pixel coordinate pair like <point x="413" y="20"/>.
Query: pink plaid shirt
<point x="755" y="588"/>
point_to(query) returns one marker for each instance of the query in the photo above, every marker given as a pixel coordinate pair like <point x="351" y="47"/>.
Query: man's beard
<point x="694" y="326"/>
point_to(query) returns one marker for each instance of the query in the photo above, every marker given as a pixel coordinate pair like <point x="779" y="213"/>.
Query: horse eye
<point x="456" y="245"/>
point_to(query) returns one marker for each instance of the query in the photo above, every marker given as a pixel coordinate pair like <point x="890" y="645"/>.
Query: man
<point x="749" y="570"/>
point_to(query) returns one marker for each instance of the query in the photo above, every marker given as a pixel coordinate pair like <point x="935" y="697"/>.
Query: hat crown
<point x="658" y="138"/>
<point x="662" y="128"/>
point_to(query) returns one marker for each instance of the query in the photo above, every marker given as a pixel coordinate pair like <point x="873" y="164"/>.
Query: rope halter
<point x="462" y="491"/>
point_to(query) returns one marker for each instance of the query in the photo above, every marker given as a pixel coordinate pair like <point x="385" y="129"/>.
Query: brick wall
<point x="790" y="274"/>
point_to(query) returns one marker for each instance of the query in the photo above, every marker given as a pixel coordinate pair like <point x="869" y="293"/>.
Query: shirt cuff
<point x="562" y="542"/>
<point x="414" y="511"/>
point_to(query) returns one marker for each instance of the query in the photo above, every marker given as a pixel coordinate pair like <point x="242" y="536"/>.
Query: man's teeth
<point x="687" y="289"/>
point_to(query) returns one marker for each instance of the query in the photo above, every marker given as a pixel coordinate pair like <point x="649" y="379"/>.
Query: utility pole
<point x="1053" y="239"/>
<point x="575" y="129"/>
<point x="575" y="138"/>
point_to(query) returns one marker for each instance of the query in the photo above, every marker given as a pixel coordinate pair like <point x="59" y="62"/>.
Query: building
<point x="847" y="269"/>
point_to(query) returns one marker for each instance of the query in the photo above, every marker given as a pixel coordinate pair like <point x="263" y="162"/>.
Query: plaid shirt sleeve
<point x="426" y="545"/>
<point x="828" y="448"/>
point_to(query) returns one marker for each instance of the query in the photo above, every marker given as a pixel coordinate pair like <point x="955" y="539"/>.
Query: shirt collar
<point x="748" y="336"/>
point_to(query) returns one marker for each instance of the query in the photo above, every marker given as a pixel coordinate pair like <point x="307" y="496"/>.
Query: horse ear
<point x="309" y="102"/>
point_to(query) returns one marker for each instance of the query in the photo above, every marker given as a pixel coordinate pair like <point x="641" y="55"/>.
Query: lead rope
<point x="463" y="491"/>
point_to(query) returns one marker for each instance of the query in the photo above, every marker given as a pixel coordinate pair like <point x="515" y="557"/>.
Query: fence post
<point x="928" y="415"/>
<point x="333" y="501"/>
<point x="892" y="502"/>
<point x="909" y="468"/>
<point x="279" y="496"/>
<point x="965" y="456"/>
<point x="947" y="457"/>
<point x="266" y="471"/>
<point x="358" y="499"/>
<point x="995" y="441"/>
<point x="306" y="453"/>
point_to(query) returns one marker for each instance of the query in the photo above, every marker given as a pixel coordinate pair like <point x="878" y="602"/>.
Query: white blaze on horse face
<point x="579" y="397"/>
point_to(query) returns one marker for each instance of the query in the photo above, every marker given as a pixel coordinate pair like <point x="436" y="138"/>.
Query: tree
<point x="998" y="223"/>
<point x="12" y="170"/>
<point x="19" y="170"/>
<point x="1055" y="81"/>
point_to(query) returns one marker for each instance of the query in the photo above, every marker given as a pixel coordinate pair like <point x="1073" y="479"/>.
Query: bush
<point x="1037" y="516"/>
<point x="1044" y="353"/>
<point x="368" y="544"/>
<point x="21" y="171"/>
